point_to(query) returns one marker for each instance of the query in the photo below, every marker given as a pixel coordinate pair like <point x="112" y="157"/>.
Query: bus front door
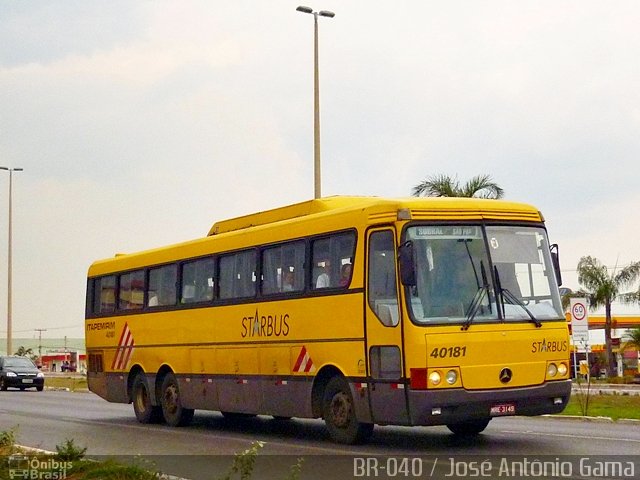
<point x="383" y="330"/>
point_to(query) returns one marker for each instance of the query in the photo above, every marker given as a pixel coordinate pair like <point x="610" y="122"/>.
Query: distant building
<point x="63" y="362"/>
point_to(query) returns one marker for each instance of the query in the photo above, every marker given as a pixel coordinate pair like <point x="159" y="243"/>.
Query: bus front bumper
<point x="448" y="406"/>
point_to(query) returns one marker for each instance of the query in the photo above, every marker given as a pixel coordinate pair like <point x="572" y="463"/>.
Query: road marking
<point x="566" y="435"/>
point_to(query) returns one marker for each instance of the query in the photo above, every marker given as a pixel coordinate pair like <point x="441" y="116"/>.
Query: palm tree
<point x="633" y="339"/>
<point x="603" y="288"/>
<point x="481" y="186"/>
<point x="24" y="352"/>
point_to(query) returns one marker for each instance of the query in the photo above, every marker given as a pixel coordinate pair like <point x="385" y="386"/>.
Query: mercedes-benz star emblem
<point x="505" y="375"/>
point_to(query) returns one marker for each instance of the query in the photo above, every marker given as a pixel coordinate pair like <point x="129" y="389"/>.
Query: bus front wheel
<point x="339" y="414"/>
<point x="172" y="410"/>
<point x="142" y="407"/>
<point x="470" y="427"/>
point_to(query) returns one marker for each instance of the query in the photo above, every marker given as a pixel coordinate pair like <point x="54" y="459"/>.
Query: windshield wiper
<point x="476" y="303"/>
<point x="475" y="306"/>
<point x="505" y="293"/>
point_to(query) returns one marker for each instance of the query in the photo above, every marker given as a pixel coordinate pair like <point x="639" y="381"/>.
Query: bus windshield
<point x="473" y="274"/>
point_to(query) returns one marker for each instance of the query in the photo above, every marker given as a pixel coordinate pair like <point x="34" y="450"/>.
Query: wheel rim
<point x="171" y="400"/>
<point x="142" y="398"/>
<point x="341" y="409"/>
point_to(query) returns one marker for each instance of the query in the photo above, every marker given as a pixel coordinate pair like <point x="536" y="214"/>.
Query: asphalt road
<point x="206" y="448"/>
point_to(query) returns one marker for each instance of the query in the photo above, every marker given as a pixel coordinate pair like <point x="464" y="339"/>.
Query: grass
<point x="72" y="383"/>
<point x="614" y="406"/>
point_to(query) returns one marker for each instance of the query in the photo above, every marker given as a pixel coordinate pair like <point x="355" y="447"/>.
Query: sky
<point x="140" y="124"/>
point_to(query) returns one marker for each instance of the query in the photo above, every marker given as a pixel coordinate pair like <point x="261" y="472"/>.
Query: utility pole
<point x="9" y="267"/>
<point x="40" y="330"/>
<point x="316" y="98"/>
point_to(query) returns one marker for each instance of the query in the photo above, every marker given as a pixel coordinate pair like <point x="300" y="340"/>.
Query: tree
<point x="480" y="186"/>
<point x="633" y="339"/>
<point x="24" y="352"/>
<point x="602" y="289"/>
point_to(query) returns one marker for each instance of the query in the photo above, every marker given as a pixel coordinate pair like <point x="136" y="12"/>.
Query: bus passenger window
<point x="283" y="268"/>
<point x="162" y="286"/>
<point x="331" y="260"/>
<point x="238" y="275"/>
<point x="198" y="281"/>
<point x="131" y="292"/>
<point x="104" y="295"/>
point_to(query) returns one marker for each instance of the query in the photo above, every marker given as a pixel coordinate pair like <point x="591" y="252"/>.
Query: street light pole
<point x="9" y="266"/>
<point x="316" y="97"/>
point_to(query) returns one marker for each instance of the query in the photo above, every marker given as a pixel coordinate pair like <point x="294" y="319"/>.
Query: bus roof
<point x="416" y="207"/>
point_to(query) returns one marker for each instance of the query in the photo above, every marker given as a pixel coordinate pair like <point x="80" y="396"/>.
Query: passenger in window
<point x="345" y="275"/>
<point x="153" y="300"/>
<point x="323" y="280"/>
<point x="287" y="281"/>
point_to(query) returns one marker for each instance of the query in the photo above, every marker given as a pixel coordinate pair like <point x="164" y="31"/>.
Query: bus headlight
<point x="452" y="377"/>
<point x="552" y="370"/>
<point x="435" y="378"/>
<point x="562" y="369"/>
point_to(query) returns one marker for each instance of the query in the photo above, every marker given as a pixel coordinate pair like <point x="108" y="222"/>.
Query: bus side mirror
<point x="555" y="259"/>
<point x="407" y="265"/>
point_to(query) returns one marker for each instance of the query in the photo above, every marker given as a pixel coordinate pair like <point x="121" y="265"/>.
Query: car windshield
<point x="19" y="362"/>
<point x="467" y="274"/>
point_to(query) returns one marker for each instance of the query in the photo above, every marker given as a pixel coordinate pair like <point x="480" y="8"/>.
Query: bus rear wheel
<point x="470" y="427"/>
<point x="339" y="414"/>
<point x="142" y="407"/>
<point x="172" y="410"/>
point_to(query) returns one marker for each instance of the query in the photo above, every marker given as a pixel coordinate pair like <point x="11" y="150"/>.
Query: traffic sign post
<point x="579" y="328"/>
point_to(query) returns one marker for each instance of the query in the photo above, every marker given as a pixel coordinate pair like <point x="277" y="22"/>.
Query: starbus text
<point x="265" y="325"/>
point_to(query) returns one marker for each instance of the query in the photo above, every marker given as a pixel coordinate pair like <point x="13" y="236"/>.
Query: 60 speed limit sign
<point x="579" y="311"/>
<point x="579" y="321"/>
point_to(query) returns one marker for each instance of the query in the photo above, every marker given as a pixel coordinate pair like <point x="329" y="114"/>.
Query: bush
<point x="70" y="452"/>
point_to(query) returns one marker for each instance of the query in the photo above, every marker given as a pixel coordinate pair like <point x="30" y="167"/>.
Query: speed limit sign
<point x="578" y="311"/>
<point x="579" y="321"/>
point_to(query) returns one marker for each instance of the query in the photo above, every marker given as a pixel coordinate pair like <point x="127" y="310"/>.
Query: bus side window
<point x="238" y="275"/>
<point x="162" y="286"/>
<point x="283" y="268"/>
<point x="382" y="285"/>
<point x="131" y="291"/>
<point x="104" y="290"/>
<point x="329" y="255"/>
<point x="198" y="281"/>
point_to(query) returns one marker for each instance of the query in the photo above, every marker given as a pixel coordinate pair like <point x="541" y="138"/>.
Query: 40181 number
<point x="448" y="352"/>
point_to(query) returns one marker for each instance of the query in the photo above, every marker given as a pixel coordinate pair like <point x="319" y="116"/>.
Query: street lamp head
<point x="304" y="9"/>
<point x="326" y="13"/>
<point x="18" y="169"/>
<point x="4" y="168"/>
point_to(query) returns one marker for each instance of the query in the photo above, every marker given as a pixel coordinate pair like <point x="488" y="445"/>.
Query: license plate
<point x="27" y="380"/>
<point x="503" y="409"/>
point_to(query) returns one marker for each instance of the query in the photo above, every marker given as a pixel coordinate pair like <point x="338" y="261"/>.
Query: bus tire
<point x="141" y="399"/>
<point x="470" y="427"/>
<point x="338" y="411"/>
<point x="174" y="413"/>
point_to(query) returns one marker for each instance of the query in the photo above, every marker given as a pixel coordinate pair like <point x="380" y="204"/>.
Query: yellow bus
<point x="357" y="310"/>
